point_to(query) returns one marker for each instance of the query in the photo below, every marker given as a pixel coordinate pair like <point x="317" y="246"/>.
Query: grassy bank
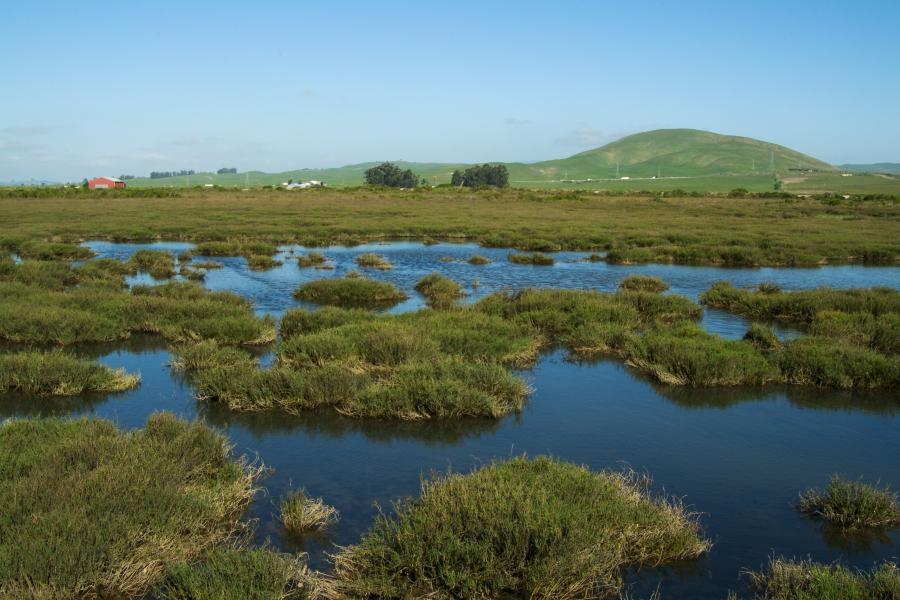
<point x="56" y="373"/>
<point x="764" y="231"/>
<point x="92" y="511"/>
<point x="527" y="528"/>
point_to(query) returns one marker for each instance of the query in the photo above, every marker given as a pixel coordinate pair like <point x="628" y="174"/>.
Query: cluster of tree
<point x="124" y="177"/>
<point x="162" y="174"/>
<point x="481" y="176"/>
<point x="226" y="170"/>
<point x="390" y="175"/>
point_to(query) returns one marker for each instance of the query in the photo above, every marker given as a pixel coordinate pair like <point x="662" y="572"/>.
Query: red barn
<point x="103" y="183"/>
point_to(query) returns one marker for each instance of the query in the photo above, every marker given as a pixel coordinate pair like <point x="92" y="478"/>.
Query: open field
<point x="694" y="230"/>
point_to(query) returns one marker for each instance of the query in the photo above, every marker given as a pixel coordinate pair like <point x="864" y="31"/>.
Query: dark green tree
<point x="457" y="179"/>
<point x="486" y="175"/>
<point x="390" y="175"/>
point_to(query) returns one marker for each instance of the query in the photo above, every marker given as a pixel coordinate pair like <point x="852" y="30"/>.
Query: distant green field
<point x="857" y="184"/>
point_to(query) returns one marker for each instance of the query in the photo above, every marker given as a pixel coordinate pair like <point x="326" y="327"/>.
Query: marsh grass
<point x="785" y="579"/>
<point x="643" y="283"/>
<point x="762" y="337"/>
<point x="537" y="528"/>
<point x="90" y="305"/>
<point x="56" y="373"/>
<point x="477" y="259"/>
<point x="192" y="274"/>
<point x="310" y="259"/>
<point x="47" y="250"/>
<point x="536" y="258"/>
<point x="811" y="360"/>
<point x="302" y="514"/>
<point x="245" y="248"/>
<point x="159" y="264"/>
<point x="852" y="504"/>
<point x="208" y="354"/>
<point x="373" y="261"/>
<point x="351" y="292"/>
<point x="97" y="512"/>
<point x="776" y="232"/>
<point x="206" y="265"/>
<point x="233" y="574"/>
<point x="439" y="291"/>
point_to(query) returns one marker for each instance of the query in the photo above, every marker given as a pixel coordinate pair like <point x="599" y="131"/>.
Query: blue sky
<point x="124" y="87"/>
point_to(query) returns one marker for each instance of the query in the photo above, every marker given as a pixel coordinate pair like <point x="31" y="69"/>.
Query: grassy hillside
<point x="669" y="154"/>
<point x="674" y="153"/>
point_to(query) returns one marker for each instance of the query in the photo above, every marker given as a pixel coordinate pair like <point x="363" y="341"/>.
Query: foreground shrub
<point x="643" y="283"/>
<point x="355" y="291"/>
<point x="236" y="575"/>
<point x="95" y="512"/>
<point x="536" y="528"/>
<point x="301" y="514"/>
<point x="536" y="258"/>
<point x="852" y="504"/>
<point x="439" y="291"/>
<point x="805" y="580"/>
<point x="56" y="373"/>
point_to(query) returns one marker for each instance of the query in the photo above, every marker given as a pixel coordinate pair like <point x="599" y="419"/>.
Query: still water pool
<point x="738" y="456"/>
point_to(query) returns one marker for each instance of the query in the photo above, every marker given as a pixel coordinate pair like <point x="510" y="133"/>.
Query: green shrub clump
<point x="97" y="512"/>
<point x="310" y="259"/>
<point x="526" y="528"/>
<point x="156" y="263"/>
<point x="852" y="504"/>
<point x="374" y="261"/>
<point x="478" y="259"/>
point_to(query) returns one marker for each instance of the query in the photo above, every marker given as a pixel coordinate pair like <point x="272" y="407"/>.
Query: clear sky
<point x="90" y="88"/>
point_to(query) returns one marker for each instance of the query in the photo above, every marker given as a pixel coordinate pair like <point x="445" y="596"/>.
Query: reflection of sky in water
<point x="272" y="290"/>
<point x="738" y="455"/>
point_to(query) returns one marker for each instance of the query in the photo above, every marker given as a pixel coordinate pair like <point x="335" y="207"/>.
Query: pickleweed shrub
<point x="521" y="527"/>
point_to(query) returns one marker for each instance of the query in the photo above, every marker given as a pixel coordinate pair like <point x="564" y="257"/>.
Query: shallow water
<point x="739" y="456"/>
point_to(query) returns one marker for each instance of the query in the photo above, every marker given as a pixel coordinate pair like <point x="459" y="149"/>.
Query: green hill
<point x="665" y="153"/>
<point x="673" y="153"/>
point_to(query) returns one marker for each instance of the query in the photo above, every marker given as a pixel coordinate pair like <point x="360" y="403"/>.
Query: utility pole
<point x="617" y="169"/>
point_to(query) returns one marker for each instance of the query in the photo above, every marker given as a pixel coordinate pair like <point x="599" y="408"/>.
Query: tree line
<point x="162" y="174"/>
<point x="390" y="175"/>
<point x="226" y="170"/>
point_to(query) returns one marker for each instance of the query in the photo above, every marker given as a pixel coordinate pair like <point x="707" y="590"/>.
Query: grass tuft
<point x="374" y="261"/>
<point x="478" y="259"/>
<point x="643" y="283"/>
<point x="311" y="259"/>
<point x="852" y="504"/>
<point x="805" y="580"/>
<point x="302" y="514"/>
